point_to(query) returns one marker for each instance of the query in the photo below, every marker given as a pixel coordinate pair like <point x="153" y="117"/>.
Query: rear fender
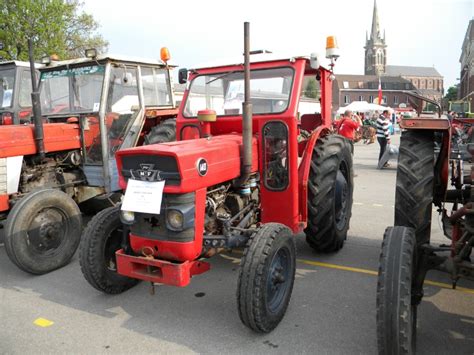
<point x="303" y="172"/>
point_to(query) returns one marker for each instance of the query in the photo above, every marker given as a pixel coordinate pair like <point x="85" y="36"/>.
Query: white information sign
<point x="143" y="196"/>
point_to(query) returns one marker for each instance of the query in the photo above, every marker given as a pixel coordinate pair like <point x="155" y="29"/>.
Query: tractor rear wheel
<point x="43" y="231"/>
<point x="396" y="310"/>
<point x="266" y="277"/>
<point x="330" y="189"/>
<point x="101" y="239"/>
<point x="415" y="175"/>
<point x="164" y="132"/>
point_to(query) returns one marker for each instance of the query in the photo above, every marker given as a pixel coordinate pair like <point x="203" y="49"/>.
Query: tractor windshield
<point x="224" y="92"/>
<point x="7" y="83"/>
<point x="70" y="91"/>
<point x="460" y="107"/>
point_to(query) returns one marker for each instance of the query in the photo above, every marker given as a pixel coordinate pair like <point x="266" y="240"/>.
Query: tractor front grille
<point x="3" y="176"/>
<point x="151" y="168"/>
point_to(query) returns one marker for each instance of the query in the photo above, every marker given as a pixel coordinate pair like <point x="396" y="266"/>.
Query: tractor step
<point x="160" y="271"/>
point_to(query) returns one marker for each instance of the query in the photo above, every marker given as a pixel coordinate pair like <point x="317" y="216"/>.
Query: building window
<point x="345" y="84"/>
<point x="395" y="100"/>
<point x="371" y="99"/>
<point x="361" y="98"/>
<point x="406" y="100"/>
<point x="384" y="100"/>
<point x="346" y="99"/>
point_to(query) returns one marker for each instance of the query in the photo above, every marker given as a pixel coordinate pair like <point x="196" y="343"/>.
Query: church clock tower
<point x="375" y="48"/>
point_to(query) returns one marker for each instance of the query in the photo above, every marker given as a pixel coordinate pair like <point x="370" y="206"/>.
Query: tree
<point x="55" y="27"/>
<point x="311" y="89"/>
<point x="452" y="93"/>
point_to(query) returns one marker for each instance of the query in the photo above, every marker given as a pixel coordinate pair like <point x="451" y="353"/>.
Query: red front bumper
<point x="161" y="271"/>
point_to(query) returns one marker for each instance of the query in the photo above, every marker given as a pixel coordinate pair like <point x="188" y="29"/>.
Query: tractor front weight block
<point x="160" y="271"/>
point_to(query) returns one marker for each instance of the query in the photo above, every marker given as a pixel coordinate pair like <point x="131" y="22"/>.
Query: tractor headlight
<point x="175" y="219"/>
<point x="127" y="217"/>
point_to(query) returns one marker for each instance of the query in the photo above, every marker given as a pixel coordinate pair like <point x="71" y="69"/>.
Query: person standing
<point x="348" y="124"/>
<point x="383" y="134"/>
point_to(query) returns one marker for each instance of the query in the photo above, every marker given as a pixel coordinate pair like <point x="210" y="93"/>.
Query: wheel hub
<point x="47" y="230"/>
<point x="277" y="282"/>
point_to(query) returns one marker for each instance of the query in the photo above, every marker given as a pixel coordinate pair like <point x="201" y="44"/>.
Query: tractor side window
<point x="7" y="81"/>
<point x="156" y="87"/>
<point x="275" y="155"/>
<point x="24" y="96"/>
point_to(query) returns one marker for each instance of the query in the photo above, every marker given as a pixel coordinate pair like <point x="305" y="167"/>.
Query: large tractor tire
<point x="415" y="175"/>
<point x="164" y="132"/>
<point x="396" y="311"/>
<point x="330" y="189"/>
<point x="266" y="277"/>
<point x="101" y="239"/>
<point x="43" y="231"/>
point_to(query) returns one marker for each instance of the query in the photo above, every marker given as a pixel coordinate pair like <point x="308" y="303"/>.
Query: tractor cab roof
<point x="16" y="63"/>
<point x="256" y="58"/>
<point x="104" y="58"/>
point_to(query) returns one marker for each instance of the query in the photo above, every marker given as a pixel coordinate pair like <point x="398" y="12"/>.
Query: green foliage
<point x="311" y="89"/>
<point x="452" y="93"/>
<point x="55" y="27"/>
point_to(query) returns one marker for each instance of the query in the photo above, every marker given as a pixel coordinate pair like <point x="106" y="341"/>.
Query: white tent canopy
<point x="363" y="106"/>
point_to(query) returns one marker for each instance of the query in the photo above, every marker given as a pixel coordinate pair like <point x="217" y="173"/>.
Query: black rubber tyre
<point x="330" y="189"/>
<point x="101" y="239"/>
<point x="96" y="204"/>
<point x="43" y="231"/>
<point x="164" y="132"/>
<point x="396" y="313"/>
<point x="415" y="175"/>
<point x="266" y="277"/>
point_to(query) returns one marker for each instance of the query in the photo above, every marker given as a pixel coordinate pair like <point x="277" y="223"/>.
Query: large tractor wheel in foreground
<point x="43" y="231"/>
<point x="330" y="189"/>
<point x="266" y="277"/>
<point x="162" y="133"/>
<point x="101" y="239"/>
<point x="396" y="311"/>
<point x="415" y="175"/>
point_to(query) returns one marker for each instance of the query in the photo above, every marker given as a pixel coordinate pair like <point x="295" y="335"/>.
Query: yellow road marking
<point x="42" y="322"/>
<point x="373" y="273"/>
<point x="377" y="205"/>
<point x="358" y="203"/>
<point x="338" y="267"/>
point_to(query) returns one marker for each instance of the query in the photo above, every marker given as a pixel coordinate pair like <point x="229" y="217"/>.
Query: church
<point x="393" y="78"/>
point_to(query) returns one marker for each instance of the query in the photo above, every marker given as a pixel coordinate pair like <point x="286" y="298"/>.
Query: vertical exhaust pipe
<point x="35" y="101"/>
<point x="246" y="112"/>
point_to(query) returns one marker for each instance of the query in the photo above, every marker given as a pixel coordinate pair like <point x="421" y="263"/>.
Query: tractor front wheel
<point x="266" y="277"/>
<point x="330" y="189"/>
<point x="396" y="309"/>
<point x="101" y="239"/>
<point x="43" y="231"/>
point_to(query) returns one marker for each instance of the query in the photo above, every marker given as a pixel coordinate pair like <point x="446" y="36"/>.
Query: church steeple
<point x="375" y="48"/>
<point x="375" y="33"/>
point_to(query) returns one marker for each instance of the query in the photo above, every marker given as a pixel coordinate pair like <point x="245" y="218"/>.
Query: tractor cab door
<point x="118" y="125"/>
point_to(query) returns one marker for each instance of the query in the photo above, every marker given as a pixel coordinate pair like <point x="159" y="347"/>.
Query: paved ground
<point x="332" y="309"/>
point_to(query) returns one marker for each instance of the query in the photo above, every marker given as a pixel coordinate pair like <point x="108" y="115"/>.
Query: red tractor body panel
<point x="19" y="140"/>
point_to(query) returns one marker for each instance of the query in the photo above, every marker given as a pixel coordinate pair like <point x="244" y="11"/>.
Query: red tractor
<point x="246" y="172"/>
<point x="89" y="108"/>
<point x="434" y="168"/>
<point x="15" y="90"/>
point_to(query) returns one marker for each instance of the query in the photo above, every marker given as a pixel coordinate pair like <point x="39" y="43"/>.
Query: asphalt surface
<point x="332" y="309"/>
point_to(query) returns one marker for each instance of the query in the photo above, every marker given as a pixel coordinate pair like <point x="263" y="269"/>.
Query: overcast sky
<point x="418" y="32"/>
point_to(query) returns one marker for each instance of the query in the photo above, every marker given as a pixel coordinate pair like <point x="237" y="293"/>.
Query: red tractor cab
<point x="89" y="108"/>
<point x="15" y="90"/>
<point x="246" y="172"/>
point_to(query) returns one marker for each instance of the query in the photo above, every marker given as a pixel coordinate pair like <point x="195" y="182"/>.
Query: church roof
<point x="403" y="70"/>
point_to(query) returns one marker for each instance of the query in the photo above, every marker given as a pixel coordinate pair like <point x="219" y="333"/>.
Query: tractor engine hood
<point x="188" y="165"/>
